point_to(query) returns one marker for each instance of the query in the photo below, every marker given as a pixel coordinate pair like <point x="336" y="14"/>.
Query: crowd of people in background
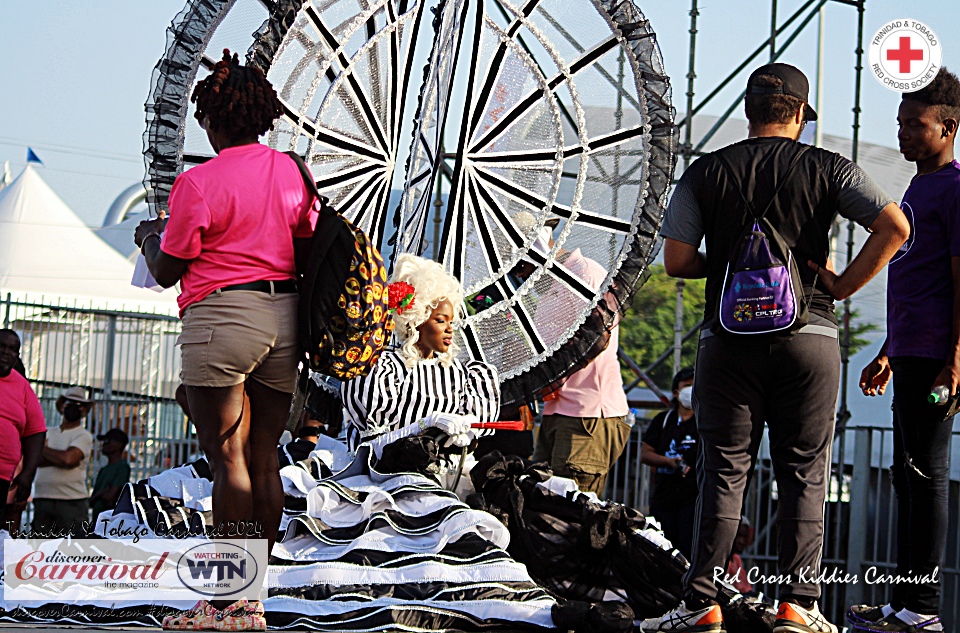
<point x="51" y="464"/>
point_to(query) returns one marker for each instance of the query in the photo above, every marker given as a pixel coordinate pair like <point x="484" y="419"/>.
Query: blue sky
<point x="75" y="75"/>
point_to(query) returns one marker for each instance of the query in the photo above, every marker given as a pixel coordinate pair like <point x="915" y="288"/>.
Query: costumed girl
<point x="420" y="383"/>
<point x="381" y="543"/>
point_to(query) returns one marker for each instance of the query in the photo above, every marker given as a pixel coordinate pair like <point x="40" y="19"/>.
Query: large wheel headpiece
<point x="532" y="111"/>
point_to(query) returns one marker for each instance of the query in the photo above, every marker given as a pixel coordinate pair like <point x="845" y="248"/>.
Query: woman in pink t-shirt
<point x="236" y="225"/>
<point x="22" y="427"/>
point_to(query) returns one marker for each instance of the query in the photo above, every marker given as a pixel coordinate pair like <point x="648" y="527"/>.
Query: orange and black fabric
<point x="344" y="323"/>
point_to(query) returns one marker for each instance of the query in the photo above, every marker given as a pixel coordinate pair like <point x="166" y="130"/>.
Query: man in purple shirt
<point x="922" y="351"/>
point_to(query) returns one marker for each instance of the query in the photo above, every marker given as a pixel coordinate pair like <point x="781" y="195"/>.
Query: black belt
<point x="273" y="287"/>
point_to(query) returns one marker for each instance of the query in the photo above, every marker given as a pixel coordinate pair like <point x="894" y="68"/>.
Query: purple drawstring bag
<point x="758" y="293"/>
<point x="762" y="292"/>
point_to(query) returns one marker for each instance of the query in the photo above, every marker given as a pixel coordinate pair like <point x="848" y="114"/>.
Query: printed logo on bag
<point x="743" y="312"/>
<point x="905" y="55"/>
<point x="137" y="571"/>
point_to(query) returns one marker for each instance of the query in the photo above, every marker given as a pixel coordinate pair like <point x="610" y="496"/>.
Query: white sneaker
<point x="792" y="618"/>
<point x="683" y="619"/>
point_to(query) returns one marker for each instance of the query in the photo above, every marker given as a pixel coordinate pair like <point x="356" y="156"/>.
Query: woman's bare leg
<point x="222" y="418"/>
<point x="269" y="410"/>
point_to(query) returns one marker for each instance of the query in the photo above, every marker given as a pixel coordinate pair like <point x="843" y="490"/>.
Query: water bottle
<point x="939" y="395"/>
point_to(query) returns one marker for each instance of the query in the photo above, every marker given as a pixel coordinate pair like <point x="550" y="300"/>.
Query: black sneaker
<point x="865" y="613"/>
<point x="892" y="623"/>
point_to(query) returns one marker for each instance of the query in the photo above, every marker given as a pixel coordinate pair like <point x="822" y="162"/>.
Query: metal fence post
<point x="111" y="345"/>
<point x="859" y="512"/>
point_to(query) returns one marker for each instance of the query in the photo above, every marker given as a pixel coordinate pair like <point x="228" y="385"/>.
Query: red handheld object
<point x="501" y="425"/>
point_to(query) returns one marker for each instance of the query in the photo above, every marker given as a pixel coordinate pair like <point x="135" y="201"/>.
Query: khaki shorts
<point x="231" y="336"/>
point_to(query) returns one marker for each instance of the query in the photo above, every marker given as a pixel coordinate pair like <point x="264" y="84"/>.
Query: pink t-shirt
<point x="235" y="218"/>
<point x="20" y="416"/>
<point x="596" y="391"/>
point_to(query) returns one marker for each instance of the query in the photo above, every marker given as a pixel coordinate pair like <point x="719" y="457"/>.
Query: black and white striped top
<point x="393" y="395"/>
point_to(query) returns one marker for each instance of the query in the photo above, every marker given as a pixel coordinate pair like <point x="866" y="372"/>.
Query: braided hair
<point x="236" y="99"/>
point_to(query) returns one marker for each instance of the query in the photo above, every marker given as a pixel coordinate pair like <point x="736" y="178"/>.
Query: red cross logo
<point x="905" y="55"/>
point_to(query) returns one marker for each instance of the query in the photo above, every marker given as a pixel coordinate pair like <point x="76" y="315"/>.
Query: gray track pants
<point x="739" y="384"/>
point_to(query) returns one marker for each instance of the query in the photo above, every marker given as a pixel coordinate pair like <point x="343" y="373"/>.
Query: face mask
<point x="685" y="396"/>
<point x="72" y="412"/>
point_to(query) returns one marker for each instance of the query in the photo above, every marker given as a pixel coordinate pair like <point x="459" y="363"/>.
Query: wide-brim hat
<point x="74" y="394"/>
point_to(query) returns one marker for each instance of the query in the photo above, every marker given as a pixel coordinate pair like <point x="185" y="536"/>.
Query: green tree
<point x="646" y="330"/>
<point x="858" y="329"/>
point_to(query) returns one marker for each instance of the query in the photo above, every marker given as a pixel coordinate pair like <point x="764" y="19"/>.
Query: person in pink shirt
<point x="22" y="427"/>
<point x="584" y="429"/>
<point x="238" y="224"/>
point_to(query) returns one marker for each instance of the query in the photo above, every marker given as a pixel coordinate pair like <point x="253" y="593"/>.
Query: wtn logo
<point x="226" y="570"/>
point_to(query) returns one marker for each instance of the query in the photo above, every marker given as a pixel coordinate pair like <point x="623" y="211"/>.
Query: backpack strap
<point x="806" y="297"/>
<point x="783" y="180"/>
<point x="325" y="208"/>
<point x="666" y="418"/>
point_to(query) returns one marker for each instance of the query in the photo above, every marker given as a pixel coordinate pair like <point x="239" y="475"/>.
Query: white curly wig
<point x="432" y="285"/>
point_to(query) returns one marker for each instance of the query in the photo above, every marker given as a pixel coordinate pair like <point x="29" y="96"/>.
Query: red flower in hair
<point x="400" y="296"/>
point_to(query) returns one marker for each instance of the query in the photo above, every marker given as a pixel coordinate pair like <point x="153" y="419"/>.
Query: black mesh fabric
<point x="577" y="549"/>
<point x="166" y="109"/>
<point x="581" y="550"/>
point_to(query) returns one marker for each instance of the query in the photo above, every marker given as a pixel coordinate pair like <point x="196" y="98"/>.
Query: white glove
<point x="460" y="440"/>
<point x="451" y="423"/>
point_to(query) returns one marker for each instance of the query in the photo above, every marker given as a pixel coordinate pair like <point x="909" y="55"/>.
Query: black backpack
<point x="344" y="324"/>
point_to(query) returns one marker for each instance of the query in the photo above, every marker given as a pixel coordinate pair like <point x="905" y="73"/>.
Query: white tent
<point x="47" y="252"/>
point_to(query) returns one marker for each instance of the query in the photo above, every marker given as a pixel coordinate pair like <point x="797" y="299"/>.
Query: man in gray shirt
<point x="787" y="379"/>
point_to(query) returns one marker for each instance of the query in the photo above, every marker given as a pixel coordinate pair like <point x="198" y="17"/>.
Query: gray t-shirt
<point x="859" y="199"/>
<point x="813" y="186"/>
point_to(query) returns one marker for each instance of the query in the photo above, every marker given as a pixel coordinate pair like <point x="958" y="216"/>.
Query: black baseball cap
<point x="795" y="84"/>
<point x="114" y="434"/>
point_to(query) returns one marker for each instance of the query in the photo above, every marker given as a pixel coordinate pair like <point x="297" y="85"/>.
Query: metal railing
<point x="126" y="361"/>
<point x="860" y="527"/>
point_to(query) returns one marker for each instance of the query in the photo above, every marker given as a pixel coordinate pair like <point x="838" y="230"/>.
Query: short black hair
<point x="682" y="375"/>
<point x="770" y="108"/>
<point x="7" y="330"/>
<point x="237" y="99"/>
<point x="943" y="91"/>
